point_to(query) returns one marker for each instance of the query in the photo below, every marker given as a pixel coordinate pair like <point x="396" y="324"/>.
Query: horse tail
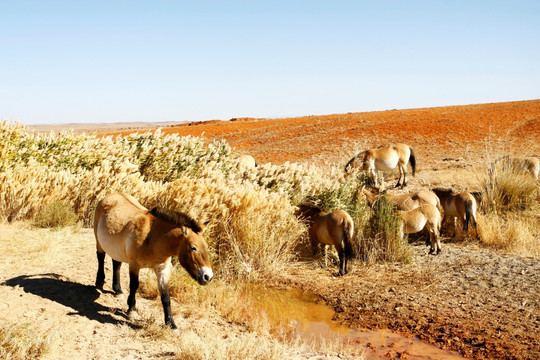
<point x="348" y="235"/>
<point x="412" y="160"/>
<point x="470" y="212"/>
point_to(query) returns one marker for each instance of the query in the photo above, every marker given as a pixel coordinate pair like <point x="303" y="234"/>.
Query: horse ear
<point x="185" y="230"/>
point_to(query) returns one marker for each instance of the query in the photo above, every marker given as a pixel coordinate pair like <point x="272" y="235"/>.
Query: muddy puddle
<point x="313" y="321"/>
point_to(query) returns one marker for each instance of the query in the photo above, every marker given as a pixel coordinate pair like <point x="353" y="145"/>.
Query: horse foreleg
<point x="117" y="288"/>
<point x="133" y="286"/>
<point x="100" y="277"/>
<point x="163" y="273"/>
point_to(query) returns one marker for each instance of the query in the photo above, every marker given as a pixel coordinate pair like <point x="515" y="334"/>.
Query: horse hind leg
<point x="100" y="277"/>
<point x="435" y="241"/>
<point x="342" y="263"/>
<point x="117" y="288"/>
<point x="401" y="174"/>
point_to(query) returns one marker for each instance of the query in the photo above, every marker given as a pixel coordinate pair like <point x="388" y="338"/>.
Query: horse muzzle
<point x="205" y="275"/>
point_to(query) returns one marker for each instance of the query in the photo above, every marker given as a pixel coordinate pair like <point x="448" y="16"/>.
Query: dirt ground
<point x="479" y="302"/>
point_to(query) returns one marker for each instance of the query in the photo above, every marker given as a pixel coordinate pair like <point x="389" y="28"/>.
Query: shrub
<point x="382" y="240"/>
<point x="505" y="190"/>
<point x="56" y="214"/>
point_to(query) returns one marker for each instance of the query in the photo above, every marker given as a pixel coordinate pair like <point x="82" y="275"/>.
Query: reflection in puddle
<point x="313" y="322"/>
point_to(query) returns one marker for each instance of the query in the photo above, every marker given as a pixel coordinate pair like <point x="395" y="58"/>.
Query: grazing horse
<point x="426" y="216"/>
<point x="461" y="205"/>
<point x="403" y="201"/>
<point x="385" y="158"/>
<point x="131" y="234"/>
<point x="335" y="228"/>
<point x="520" y="165"/>
<point x="246" y="162"/>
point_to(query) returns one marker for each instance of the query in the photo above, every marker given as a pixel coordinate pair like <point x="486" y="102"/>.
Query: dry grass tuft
<point x="513" y="232"/>
<point x="24" y="341"/>
<point x="55" y="215"/>
<point x="382" y="240"/>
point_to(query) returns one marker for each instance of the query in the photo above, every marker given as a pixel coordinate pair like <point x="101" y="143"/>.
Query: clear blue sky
<point x="108" y="61"/>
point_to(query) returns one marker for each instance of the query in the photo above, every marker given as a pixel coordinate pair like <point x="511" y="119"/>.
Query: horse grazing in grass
<point x="335" y="228"/>
<point x="246" y="162"/>
<point x="385" y="158"/>
<point x="131" y="234"/>
<point x="404" y="202"/>
<point x="519" y="165"/>
<point x="458" y="205"/>
<point x="426" y="216"/>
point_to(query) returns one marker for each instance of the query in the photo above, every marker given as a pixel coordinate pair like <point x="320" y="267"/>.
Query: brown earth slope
<point x="435" y="131"/>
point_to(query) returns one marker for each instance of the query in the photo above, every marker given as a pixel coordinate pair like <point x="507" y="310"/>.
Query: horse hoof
<point x="118" y="294"/>
<point x="133" y="315"/>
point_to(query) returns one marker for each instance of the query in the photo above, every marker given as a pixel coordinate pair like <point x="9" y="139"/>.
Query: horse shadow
<point x="81" y="298"/>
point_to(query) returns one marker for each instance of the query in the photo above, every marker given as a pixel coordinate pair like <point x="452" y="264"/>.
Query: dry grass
<point x="56" y="214"/>
<point x="512" y="232"/>
<point x="25" y="342"/>
<point x="382" y="240"/>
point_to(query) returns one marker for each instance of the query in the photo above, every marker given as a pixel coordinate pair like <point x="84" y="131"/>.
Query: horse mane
<point x="442" y="190"/>
<point x="354" y="158"/>
<point x="309" y="210"/>
<point x="176" y="218"/>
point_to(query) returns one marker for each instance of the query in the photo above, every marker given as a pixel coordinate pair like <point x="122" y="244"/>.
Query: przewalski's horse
<point x="520" y="165"/>
<point x="426" y="216"/>
<point x="385" y="158"/>
<point x="404" y="202"/>
<point x="246" y="162"/>
<point x="131" y="234"/>
<point x="335" y="228"/>
<point x="458" y="205"/>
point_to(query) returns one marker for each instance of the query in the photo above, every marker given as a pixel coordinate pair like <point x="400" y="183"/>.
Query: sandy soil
<point x="47" y="282"/>
<point x="484" y="304"/>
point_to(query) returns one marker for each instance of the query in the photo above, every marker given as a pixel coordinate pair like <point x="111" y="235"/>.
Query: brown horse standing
<point x="335" y="228"/>
<point x="461" y="205"/>
<point x="385" y="158"/>
<point x="129" y="233"/>
<point x="426" y="216"/>
<point x="404" y="202"/>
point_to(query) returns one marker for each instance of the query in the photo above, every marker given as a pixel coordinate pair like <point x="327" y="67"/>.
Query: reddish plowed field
<point x="441" y="130"/>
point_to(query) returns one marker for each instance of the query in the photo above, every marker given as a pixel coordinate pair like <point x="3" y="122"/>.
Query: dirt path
<point x="483" y="304"/>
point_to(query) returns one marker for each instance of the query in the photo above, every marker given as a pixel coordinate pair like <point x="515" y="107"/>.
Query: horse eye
<point x="193" y="248"/>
